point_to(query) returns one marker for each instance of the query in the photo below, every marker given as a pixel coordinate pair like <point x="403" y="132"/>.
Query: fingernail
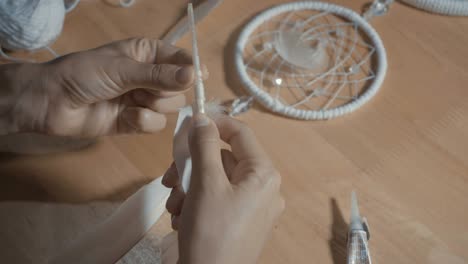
<point x="184" y="75"/>
<point x="200" y="120"/>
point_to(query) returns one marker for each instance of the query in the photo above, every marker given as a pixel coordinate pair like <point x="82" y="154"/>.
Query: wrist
<point x="8" y="74"/>
<point x="20" y="83"/>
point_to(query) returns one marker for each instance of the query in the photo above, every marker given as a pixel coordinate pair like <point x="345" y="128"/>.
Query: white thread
<point x="51" y="51"/>
<point x="335" y="74"/>
<point x="444" y="7"/>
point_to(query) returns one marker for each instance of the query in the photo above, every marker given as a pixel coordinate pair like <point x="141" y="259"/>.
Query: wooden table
<point x="405" y="152"/>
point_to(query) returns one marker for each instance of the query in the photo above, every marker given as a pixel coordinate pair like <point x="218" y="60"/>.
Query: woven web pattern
<point x="334" y="68"/>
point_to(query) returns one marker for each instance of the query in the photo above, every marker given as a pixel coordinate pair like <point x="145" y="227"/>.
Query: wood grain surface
<point x="405" y="152"/>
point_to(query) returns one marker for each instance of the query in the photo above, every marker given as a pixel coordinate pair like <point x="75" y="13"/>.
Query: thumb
<point x="167" y="77"/>
<point x="207" y="165"/>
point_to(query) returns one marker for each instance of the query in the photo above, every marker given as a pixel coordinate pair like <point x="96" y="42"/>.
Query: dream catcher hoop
<point x="309" y="60"/>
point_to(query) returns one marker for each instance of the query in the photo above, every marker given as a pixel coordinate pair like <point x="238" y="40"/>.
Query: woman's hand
<point x="123" y="87"/>
<point x="234" y="196"/>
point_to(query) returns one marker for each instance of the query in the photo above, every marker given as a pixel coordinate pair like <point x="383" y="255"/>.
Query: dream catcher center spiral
<point x="310" y="60"/>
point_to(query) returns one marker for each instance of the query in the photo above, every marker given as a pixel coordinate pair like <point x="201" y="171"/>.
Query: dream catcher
<point x="310" y="60"/>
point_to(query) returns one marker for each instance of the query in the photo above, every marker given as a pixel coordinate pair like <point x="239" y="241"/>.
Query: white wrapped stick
<point x="182" y="26"/>
<point x="199" y="105"/>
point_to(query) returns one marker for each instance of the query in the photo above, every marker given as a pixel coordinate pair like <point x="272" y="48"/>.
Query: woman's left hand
<point x="123" y="87"/>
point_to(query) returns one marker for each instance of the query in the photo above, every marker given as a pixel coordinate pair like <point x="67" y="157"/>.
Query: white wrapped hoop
<point x="288" y="110"/>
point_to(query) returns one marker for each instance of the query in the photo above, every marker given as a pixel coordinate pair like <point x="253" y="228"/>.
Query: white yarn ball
<point x="443" y="7"/>
<point x="30" y="24"/>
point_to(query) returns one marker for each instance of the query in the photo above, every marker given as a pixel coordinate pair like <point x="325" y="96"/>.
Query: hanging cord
<point x="51" y="51"/>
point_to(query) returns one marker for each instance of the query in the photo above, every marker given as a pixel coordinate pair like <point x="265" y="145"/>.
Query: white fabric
<point x="100" y="232"/>
<point x="110" y="240"/>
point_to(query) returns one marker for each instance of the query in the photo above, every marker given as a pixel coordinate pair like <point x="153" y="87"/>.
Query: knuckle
<point x="174" y="203"/>
<point x="174" y="222"/>
<point x="170" y="201"/>
<point x="168" y="206"/>
<point x="140" y="48"/>
<point x="156" y="73"/>
<point x="141" y="42"/>
<point x="267" y="176"/>
<point x="170" y="178"/>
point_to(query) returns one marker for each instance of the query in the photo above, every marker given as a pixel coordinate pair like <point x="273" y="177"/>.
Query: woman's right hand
<point x="234" y="196"/>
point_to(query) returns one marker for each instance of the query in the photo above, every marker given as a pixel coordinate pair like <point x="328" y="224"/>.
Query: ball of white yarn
<point x="443" y="7"/>
<point x="30" y="24"/>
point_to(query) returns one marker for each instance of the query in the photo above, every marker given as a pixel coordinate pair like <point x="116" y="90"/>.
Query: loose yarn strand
<point x="51" y="51"/>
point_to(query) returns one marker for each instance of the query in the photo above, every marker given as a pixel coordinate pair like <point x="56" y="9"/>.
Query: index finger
<point x="244" y="144"/>
<point x="170" y="54"/>
<point x="153" y="51"/>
